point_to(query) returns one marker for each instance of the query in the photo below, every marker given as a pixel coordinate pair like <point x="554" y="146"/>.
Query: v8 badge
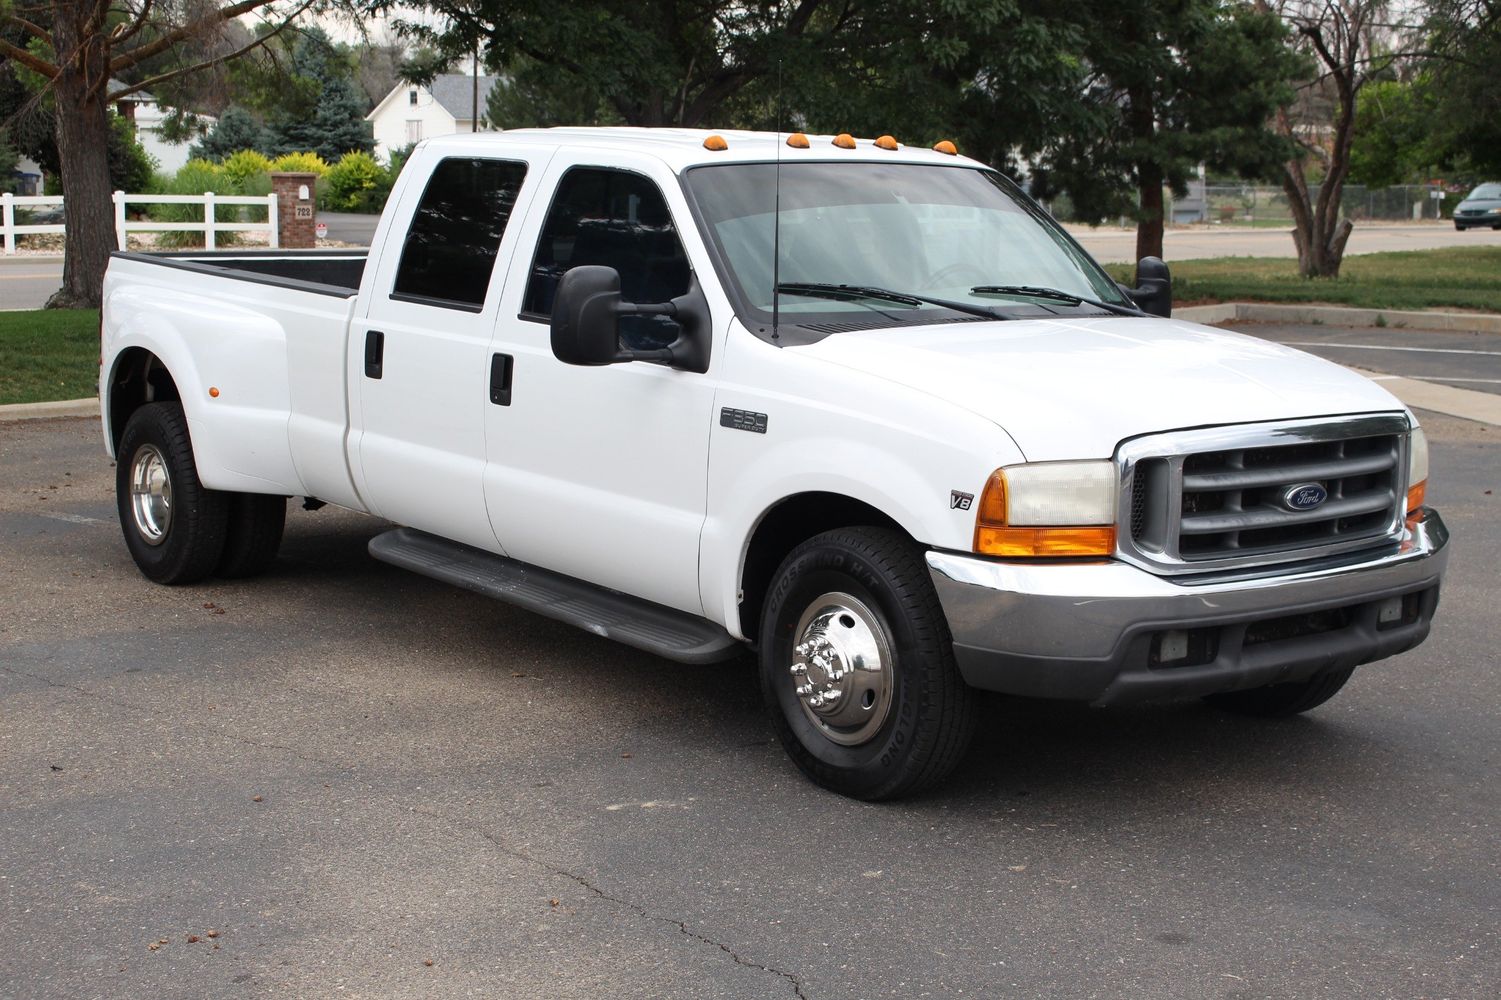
<point x="960" y="501"/>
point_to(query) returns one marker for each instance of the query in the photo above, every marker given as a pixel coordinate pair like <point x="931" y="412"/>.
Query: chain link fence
<point x="1266" y="205"/>
<point x="1248" y="204"/>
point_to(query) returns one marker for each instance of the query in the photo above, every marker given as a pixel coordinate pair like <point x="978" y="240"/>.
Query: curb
<point x="40" y="411"/>
<point x="1267" y="312"/>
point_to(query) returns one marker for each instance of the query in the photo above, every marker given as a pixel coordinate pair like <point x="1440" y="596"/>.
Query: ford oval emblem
<point x="1304" y="496"/>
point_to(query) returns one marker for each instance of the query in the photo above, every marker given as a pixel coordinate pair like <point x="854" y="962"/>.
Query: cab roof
<point x="681" y="148"/>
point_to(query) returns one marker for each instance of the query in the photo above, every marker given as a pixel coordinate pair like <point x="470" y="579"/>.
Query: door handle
<point x="375" y="352"/>
<point x="500" y="379"/>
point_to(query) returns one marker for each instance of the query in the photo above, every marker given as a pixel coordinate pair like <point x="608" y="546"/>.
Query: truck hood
<point x="1075" y="388"/>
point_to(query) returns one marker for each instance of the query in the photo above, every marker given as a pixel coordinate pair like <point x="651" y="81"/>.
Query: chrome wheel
<point x="842" y="669"/>
<point x="151" y="494"/>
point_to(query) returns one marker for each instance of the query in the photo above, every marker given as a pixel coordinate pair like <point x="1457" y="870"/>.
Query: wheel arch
<point x="784" y="526"/>
<point x="137" y="377"/>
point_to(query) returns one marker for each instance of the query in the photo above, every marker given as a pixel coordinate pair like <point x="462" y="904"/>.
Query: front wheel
<point x="174" y="526"/>
<point x="1277" y="700"/>
<point x="857" y="666"/>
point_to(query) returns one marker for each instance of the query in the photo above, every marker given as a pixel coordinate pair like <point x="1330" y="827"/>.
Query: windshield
<point x="1486" y="191"/>
<point x="929" y="231"/>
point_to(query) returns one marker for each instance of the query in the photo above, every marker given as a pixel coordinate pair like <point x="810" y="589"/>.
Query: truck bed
<point x="324" y="272"/>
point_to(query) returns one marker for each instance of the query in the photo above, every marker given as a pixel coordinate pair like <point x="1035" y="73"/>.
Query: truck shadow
<point x="1033" y="755"/>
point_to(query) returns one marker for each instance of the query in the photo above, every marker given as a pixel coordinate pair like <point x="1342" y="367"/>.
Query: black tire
<point x="178" y="539"/>
<point x="1277" y="700"/>
<point x="256" y="521"/>
<point x="926" y="713"/>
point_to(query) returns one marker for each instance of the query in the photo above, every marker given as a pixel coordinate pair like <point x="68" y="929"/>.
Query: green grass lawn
<point x="48" y="354"/>
<point x="1461" y="278"/>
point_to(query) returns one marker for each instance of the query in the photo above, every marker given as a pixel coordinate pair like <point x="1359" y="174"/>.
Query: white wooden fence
<point x="210" y="227"/>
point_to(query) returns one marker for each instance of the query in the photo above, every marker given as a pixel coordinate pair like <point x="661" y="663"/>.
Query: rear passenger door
<point x="600" y="473"/>
<point x="420" y="354"/>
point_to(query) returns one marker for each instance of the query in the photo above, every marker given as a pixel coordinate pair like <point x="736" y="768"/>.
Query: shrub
<point x="196" y="177"/>
<point x="356" y="184"/>
<point x="306" y="163"/>
<point x="246" y="163"/>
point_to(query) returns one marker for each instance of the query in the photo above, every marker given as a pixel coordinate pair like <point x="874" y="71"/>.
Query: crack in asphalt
<point x="637" y="908"/>
<point x="497" y="843"/>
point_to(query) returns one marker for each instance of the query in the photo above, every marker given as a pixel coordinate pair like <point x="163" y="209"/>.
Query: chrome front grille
<point x="1228" y="497"/>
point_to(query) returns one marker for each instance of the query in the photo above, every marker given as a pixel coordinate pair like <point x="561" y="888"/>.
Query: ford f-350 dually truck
<point x="861" y="407"/>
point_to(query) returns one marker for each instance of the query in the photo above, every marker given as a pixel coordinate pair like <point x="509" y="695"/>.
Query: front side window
<point x="620" y="220"/>
<point x="455" y="233"/>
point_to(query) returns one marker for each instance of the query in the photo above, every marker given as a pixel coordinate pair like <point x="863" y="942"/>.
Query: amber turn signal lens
<point x="992" y="509"/>
<point x="1026" y="542"/>
<point x="1415" y="495"/>
<point x="886" y="142"/>
<point x="844" y="140"/>
<point x="716" y="144"/>
<point x="947" y="147"/>
<point x="797" y="141"/>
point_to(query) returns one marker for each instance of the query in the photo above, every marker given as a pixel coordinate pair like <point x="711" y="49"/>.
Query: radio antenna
<point x="776" y="217"/>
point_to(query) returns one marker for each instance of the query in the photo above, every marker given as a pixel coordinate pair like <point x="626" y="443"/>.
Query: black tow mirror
<point x="586" y="315"/>
<point x="1154" y="287"/>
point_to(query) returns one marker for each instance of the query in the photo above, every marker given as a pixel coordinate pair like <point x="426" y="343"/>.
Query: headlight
<point x="1417" y="469"/>
<point x="1048" y="509"/>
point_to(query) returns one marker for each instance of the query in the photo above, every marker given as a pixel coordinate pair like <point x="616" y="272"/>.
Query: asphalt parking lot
<point x="342" y="779"/>
<point x="1462" y="360"/>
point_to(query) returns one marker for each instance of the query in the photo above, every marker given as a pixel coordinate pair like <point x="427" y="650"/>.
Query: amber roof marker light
<point x="797" y="140"/>
<point x="716" y="144"/>
<point x="844" y="140"/>
<point x="887" y="142"/>
<point x="945" y="146"/>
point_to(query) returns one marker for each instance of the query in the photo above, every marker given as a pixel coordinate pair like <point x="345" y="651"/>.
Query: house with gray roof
<point x="412" y="112"/>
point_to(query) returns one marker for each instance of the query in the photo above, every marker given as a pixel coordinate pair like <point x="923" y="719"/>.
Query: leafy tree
<point x="1169" y="85"/>
<point x="1466" y="80"/>
<point x="77" y="47"/>
<point x="8" y="160"/>
<point x="530" y="94"/>
<point x="1348" y="43"/>
<point x="654" y="62"/>
<point x="1395" y="138"/>
<point x="336" y="124"/>
<point x="235" y="130"/>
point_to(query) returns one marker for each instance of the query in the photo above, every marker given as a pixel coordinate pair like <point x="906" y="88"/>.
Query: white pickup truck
<point x="861" y="407"/>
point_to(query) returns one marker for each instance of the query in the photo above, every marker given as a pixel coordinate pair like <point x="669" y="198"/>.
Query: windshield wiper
<point x="849" y="293"/>
<point x="1056" y="294"/>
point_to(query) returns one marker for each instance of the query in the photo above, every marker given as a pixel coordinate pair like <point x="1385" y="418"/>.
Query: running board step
<point x="672" y="634"/>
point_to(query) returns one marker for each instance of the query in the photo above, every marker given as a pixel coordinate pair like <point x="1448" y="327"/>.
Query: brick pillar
<point x="296" y="215"/>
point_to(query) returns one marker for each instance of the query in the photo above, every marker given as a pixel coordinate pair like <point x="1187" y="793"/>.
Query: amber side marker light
<point x="994" y="537"/>
<point x="844" y="140"/>
<point x="213" y="391"/>
<point x="716" y="143"/>
<point x="797" y="141"/>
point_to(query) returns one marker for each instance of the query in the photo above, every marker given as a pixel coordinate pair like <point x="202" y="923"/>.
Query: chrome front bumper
<point x="1093" y="631"/>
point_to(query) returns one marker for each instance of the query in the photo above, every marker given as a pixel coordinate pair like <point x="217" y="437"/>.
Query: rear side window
<point x="618" y="219"/>
<point x="455" y="234"/>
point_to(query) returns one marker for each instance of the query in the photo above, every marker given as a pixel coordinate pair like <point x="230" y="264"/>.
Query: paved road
<point x="1112" y="245"/>
<point x="27" y="282"/>
<point x="347" y="772"/>
<point x="348" y="227"/>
